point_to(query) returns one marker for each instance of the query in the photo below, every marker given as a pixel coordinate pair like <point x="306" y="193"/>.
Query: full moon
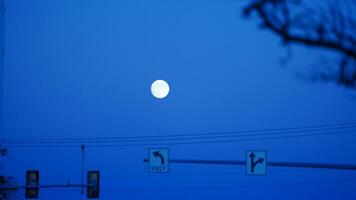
<point x="160" y="89"/>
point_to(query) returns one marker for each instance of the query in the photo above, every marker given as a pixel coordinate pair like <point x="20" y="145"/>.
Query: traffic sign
<point x="256" y="162"/>
<point x="93" y="181"/>
<point x="32" y="179"/>
<point x="158" y="160"/>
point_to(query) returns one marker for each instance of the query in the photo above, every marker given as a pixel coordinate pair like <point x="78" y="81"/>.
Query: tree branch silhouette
<point x="330" y="26"/>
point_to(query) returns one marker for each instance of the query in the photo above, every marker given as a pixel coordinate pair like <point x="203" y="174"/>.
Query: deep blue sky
<point x="75" y="68"/>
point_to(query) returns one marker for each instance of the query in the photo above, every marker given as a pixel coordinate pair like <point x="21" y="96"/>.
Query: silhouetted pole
<point x="82" y="148"/>
<point x="269" y="163"/>
<point x="2" y="53"/>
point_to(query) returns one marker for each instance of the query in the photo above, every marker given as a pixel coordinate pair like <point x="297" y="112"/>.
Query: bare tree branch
<point x="331" y="26"/>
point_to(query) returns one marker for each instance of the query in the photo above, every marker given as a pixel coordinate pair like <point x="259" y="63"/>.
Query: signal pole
<point x="2" y="53"/>
<point x="82" y="148"/>
<point x="274" y="164"/>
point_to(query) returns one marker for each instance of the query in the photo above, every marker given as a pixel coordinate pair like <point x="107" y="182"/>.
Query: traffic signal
<point x="32" y="182"/>
<point x="93" y="183"/>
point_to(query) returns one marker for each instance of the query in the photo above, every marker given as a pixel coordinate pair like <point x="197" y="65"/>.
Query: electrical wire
<point x="181" y="143"/>
<point x="215" y="135"/>
<point x="230" y="187"/>
<point x="301" y="128"/>
<point x="225" y="187"/>
<point x="208" y="138"/>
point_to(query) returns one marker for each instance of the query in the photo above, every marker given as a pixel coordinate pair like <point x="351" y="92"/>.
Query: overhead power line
<point x="229" y="187"/>
<point x="168" y="135"/>
<point x="226" y="187"/>
<point x="117" y="144"/>
<point x="224" y="141"/>
<point x="211" y="135"/>
<point x="208" y="138"/>
<point x="71" y="187"/>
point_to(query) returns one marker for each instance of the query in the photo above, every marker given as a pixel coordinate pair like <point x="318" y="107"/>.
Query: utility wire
<point x="157" y="189"/>
<point x="188" y="142"/>
<point x="210" y="138"/>
<point x="188" y="137"/>
<point x="116" y="189"/>
<point x="226" y="187"/>
<point x="169" y="175"/>
<point x="296" y="129"/>
<point x="183" y="142"/>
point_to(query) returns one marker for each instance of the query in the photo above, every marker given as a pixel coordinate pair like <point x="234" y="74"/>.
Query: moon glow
<point x="160" y="89"/>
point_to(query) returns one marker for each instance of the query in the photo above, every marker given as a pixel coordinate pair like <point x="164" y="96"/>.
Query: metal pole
<point x="274" y="164"/>
<point x="2" y="53"/>
<point x="82" y="147"/>
<point x="313" y="165"/>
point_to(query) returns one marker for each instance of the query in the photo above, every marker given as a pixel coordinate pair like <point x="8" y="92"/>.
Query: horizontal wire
<point x="225" y="187"/>
<point x="168" y="175"/>
<point x="318" y="127"/>
<point x="205" y="188"/>
<point x="116" y="189"/>
<point x="186" y="138"/>
<point x="180" y="143"/>
<point x="225" y="141"/>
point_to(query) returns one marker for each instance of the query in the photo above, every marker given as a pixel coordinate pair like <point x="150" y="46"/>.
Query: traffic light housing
<point x="32" y="179"/>
<point x="93" y="183"/>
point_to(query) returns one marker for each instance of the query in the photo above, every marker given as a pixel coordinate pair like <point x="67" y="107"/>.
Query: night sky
<point x="77" y="69"/>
